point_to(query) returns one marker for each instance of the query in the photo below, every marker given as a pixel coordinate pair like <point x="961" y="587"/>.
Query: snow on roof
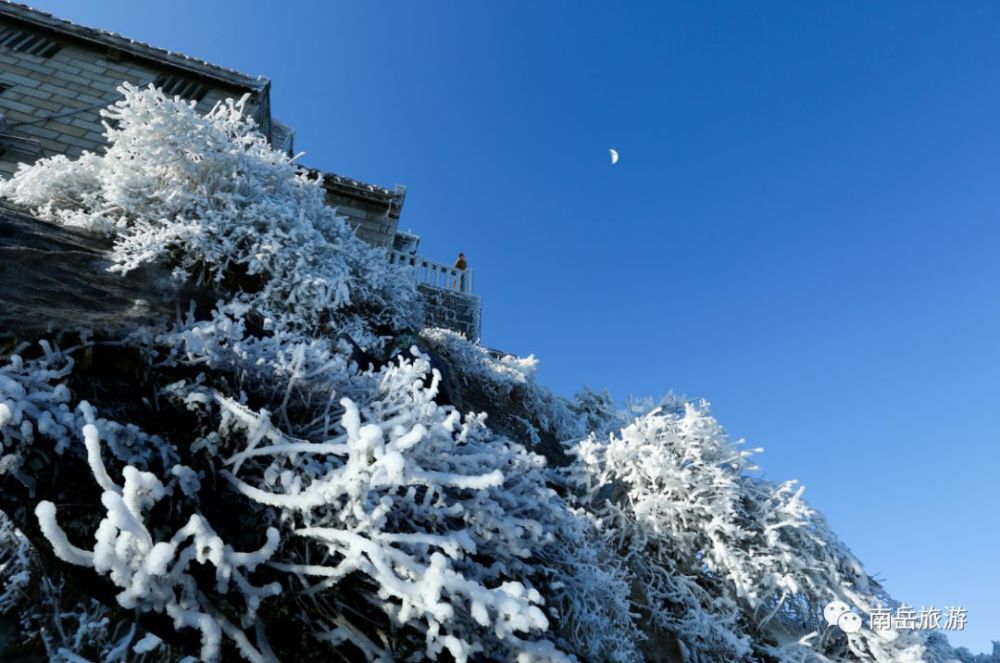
<point x="138" y="49"/>
<point x="365" y="190"/>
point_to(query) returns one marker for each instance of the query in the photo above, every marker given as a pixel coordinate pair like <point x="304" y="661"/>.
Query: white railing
<point x="433" y="273"/>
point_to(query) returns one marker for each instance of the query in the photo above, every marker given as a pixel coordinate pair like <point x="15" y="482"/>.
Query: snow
<point x="92" y="440"/>
<point x="154" y="574"/>
<point x="63" y="549"/>
<point x="209" y="196"/>
<point x="365" y="489"/>
<point x="147" y="644"/>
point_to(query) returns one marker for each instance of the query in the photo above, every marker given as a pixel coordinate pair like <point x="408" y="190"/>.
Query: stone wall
<point x="70" y="87"/>
<point x="453" y="310"/>
<point x="371" y="210"/>
<point x="369" y="220"/>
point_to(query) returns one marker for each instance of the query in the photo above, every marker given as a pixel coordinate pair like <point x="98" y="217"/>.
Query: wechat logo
<point x="838" y="613"/>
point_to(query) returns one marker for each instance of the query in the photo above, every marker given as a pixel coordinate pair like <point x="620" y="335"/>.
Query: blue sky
<point x="803" y="226"/>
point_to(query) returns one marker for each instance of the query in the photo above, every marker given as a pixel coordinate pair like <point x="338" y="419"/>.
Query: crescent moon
<point x="614" y="156"/>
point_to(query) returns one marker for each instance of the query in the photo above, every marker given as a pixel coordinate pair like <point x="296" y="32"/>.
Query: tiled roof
<point x="138" y="49"/>
<point x="372" y="191"/>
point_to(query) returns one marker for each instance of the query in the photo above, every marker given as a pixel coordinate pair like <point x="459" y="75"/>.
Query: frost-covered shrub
<point x="16" y="566"/>
<point x="735" y="566"/>
<point x="965" y="656"/>
<point x="376" y="519"/>
<point x="298" y="377"/>
<point x="505" y="386"/>
<point x="454" y="527"/>
<point x="595" y="413"/>
<point x="450" y="530"/>
<point x="587" y="593"/>
<point x="155" y="575"/>
<point x="35" y="403"/>
<point x="63" y="627"/>
<point x="209" y="197"/>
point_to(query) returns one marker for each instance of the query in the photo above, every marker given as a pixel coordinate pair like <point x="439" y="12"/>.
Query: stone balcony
<point x="434" y="274"/>
<point x="447" y="293"/>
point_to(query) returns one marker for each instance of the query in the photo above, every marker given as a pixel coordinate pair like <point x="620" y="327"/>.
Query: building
<point x="56" y="76"/>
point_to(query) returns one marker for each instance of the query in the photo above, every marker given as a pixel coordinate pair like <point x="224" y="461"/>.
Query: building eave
<point x="137" y="49"/>
<point x="359" y="189"/>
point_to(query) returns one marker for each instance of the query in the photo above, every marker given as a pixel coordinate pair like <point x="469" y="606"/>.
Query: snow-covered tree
<point x="208" y="197"/>
<point x="265" y="489"/>
<point x="736" y="566"/>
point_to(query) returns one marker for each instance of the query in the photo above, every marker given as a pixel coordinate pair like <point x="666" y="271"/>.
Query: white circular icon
<point x="833" y="611"/>
<point x="850" y="622"/>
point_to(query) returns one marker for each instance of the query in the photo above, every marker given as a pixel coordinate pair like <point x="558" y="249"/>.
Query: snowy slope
<point x="234" y="482"/>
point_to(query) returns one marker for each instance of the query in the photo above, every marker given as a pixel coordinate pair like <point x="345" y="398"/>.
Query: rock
<point x="55" y="279"/>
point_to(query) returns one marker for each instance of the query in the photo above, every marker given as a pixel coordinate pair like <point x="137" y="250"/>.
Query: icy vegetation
<point x="295" y="474"/>
<point x="208" y="196"/>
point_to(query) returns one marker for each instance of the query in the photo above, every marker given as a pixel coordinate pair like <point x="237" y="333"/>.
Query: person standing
<point x="461" y="265"/>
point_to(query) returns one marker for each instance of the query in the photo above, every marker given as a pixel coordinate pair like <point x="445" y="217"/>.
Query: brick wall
<point x="453" y="310"/>
<point x="76" y="78"/>
<point x="370" y="220"/>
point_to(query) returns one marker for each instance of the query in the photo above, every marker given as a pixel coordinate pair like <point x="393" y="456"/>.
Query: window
<point x="180" y="87"/>
<point x="27" y="42"/>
